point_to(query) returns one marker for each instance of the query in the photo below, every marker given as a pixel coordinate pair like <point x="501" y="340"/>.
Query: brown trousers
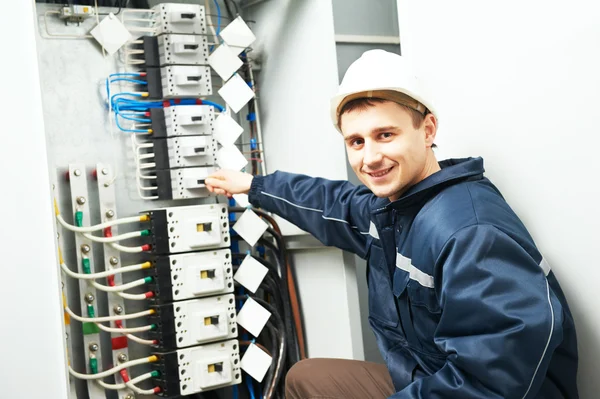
<point x="338" y="379"/>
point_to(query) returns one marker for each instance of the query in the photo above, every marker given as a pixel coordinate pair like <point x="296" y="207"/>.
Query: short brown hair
<point x="361" y="104"/>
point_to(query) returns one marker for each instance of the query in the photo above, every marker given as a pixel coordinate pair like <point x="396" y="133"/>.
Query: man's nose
<point x="372" y="155"/>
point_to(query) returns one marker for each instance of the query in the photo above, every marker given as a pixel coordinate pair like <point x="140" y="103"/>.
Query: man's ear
<point x="430" y="129"/>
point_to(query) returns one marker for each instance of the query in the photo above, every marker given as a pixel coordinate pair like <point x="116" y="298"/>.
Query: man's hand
<point x="229" y="182"/>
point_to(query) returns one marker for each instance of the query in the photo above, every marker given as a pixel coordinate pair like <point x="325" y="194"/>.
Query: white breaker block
<point x="184" y="183"/>
<point x="182" y="49"/>
<point x="204" y="320"/>
<point x="189" y="228"/>
<point x="183" y="152"/>
<point x="204" y="368"/>
<point x="186" y="120"/>
<point x="194" y="275"/>
<point x="186" y="81"/>
<point x="180" y="18"/>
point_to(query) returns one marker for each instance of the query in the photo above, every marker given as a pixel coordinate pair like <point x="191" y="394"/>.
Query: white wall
<point x="296" y="48"/>
<point x="33" y="363"/>
<point x="519" y="83"/>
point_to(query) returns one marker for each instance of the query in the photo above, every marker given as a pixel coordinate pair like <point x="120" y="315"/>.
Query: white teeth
<point x="380" y="173"/>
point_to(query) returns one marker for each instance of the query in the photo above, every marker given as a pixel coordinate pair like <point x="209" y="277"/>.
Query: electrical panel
<point x="146" y="258"/>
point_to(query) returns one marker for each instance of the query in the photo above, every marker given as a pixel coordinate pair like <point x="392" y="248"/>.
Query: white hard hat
<point x="385" y="75"/>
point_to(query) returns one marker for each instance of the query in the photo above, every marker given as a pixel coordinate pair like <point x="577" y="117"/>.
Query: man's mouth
<point x="380" y="173"/>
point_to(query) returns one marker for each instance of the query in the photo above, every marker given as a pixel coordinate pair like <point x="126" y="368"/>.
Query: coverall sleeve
<point x="500" y="322"/>
<point x="335" y="212"/>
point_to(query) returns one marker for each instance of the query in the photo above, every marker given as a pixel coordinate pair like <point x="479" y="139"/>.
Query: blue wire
<point x="218" y="17"/>
<point x="112" y="98"/>
<point x="217" y="106"/>
<point x="130" y="130"/>
<point x="125" y="74"/>
<point x="250" y="387"/>
<point x="140" y="82"/>
<point x="235" y="392"/>
<point x="134" y="119"/>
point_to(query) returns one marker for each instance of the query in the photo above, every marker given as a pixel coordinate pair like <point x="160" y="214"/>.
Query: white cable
<point x="114" y="370"/>
<point x="150" y="188"/>
<point x="135" y="380"/>
<point x="147" y="177"/>
<point x="209" y="20"/>
<point x="129" y="250"/>
<point x="140" y="340"/>
<point x="147" y="155"/>
<point x="122" y="287"/>
<point x="148" y="165"/>
<point x="132" y="297"/>
<point x="124" y="330"/>
<point x="109" y="318"/>
<point x="139" y="391"/>
<point x="145" y="197"/>
<point x="89" y="229"/>
<point x="107" y="273"/>
<point x="119" y="237"/>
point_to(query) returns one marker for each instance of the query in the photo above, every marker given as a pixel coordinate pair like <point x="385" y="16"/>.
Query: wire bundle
<point x="284" y="335"/>
<point x="127" y="106"/>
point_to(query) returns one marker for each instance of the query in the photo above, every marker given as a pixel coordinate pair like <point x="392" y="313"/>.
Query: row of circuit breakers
<point x="188" y="270"/>
<point x="194" y="320"/>
<point x="177" y="63"/>
<point x="181" y="276"/>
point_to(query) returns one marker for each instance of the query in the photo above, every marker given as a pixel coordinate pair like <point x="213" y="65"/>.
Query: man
<point x="461" y="301"/>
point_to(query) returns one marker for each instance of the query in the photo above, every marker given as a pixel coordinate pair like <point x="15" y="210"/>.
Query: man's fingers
<point x="220" y="191"/>
<point x="212" y="181"/>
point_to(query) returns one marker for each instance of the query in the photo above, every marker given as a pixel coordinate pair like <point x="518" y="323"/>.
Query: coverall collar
<point x="452" y="171"/>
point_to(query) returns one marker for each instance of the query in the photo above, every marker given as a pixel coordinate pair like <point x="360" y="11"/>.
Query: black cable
<point x="280" y="257"/>
<point x="228" y="9"/>
<point x="235" y="5"/>
<point x="274" y="355"/>
<point x="281" y="326"/>
<point x="122" y="4"/>
<point x="292" y="337"/>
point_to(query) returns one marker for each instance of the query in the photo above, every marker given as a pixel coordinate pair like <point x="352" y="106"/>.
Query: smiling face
<point x="385" y="149"/>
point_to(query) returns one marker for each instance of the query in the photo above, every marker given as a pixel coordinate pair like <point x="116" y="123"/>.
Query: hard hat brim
<point x="394" y="94"/>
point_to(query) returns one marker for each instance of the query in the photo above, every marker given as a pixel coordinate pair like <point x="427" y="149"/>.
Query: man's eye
<point x="386" y="135"/>
<point x="356" y="142"/>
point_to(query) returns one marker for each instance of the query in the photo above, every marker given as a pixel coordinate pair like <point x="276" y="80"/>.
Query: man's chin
<point x="381" y="192"/>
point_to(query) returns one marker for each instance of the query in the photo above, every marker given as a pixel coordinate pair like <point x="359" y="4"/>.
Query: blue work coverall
<point x="462" y="303"/>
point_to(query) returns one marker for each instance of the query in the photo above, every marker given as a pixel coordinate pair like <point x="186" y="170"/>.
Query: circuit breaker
<point x="194" y="322"/>
<point x="198" y="369"/>
<point x="192" y="275"/>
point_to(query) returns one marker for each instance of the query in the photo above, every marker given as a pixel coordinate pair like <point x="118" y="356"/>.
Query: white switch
<point x="202" y="232"/>
<point x="195" y="146"/>
<point x="205" y="278"/>
<point x="183" y="17"/>
<point x="213" y="372"/>
<point x="185" y="44"/>
<point x="188" y="79"/>
<point x="209" y="325"/>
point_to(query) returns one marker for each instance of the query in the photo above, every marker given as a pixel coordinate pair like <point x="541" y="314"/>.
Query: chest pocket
<point x="382" y="306"/>
<point x="419" y="310"/>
